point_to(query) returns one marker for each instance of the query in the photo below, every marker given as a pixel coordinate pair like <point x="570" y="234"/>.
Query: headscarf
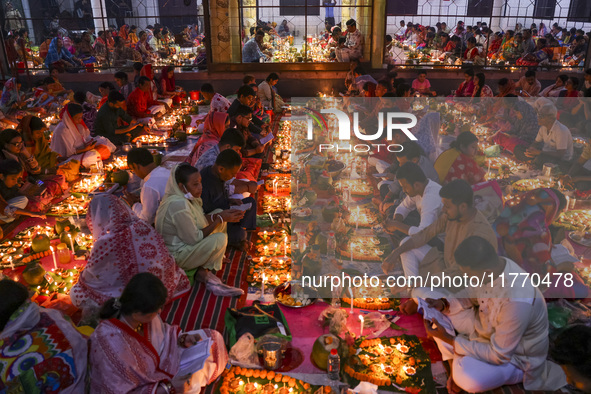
<point x="170" y="82"/>
<point x="68" y="136"/>
<point x="523" y="229"/>
<point x="9" y="87"/>
<point x="146" y="71"/>
<point x="213" y="128"/>
<point x="124" y="246"/>
<point x="174" y="193"/>
<point x="123" y="32"/>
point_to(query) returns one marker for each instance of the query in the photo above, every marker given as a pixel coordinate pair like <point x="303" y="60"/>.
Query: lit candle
<point x="76" y="209"/>
<point x="362" y="322"/>
<point x="71" y="242"/>
<point x="352" y="298"/>
<point x="53" y="255"/>
<point x="271" y="217"/>
<point x="11" y="264"/>
<point x="264" y="278"/>
<point x="285" y="245"/>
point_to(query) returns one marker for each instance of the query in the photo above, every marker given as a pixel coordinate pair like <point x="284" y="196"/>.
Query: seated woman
<point x="460" y="161"/>
<point x="480" y="87"/>
<point x="12" y="147"/>
<point x="197" y="241"/>
<point x="525" y="237"/>
<point x="33" y="130"/>
<point x="213" y="127"/>
<point x="472" y="52"/>
<point x="12" y="97"/>
<point x="59" y="57"/>
<point x="147" y="72"/>
<point x="168" y="87"/>
<point x="133" y="351"/>
<point x="12" y="201"/>
<point x="123" y="54"/>
<point x="144" y="48"/>
<point x="41" y="351"/>
<point x="466" y="88"/>
<point x="71" y="139"/>
<point x="518" y="127"/>
<point x="541" y="55"/>
<point x="124" y="246"/>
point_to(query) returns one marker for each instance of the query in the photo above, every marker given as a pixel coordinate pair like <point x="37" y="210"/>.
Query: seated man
<point x="141" y="105"/>
<point x="572" y="351"/>
<point x="217" y="102"/>
<point x="422" y="194"/>
<point x="528" y="85"/>
<point x="502" y="329"/>
<point x="246" y="96"/>
<point x="54" y="351"/>
<point x="458" y="220"/>
<point x="231" y="139"/>
<point x="242" y="121"/>
<point x="554" y="142"/>
<point x="108" y="117"/>
<point x="154" y="178"/>
<point x="216" y="195"/>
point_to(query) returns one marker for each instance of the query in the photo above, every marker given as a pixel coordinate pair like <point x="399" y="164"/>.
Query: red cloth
<point x="213" y="128"/>
<point x="138" y="103"/>
<point x="465" y="168"/>
<point x="168" y="83"/>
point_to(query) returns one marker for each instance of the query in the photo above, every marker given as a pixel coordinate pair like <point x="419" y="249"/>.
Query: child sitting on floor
<point x="12" y="202"/>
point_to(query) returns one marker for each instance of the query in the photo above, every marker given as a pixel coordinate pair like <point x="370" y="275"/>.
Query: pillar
<point x="225" y="31"/>
<point x="377" y="37"/>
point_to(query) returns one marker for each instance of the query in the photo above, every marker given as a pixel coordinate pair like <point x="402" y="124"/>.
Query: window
<point x="544" y="9"/>
<point x="298" y="7"/>
<point x="402" y="7"/>
<point x="579" y="11"/>
<point x="480" y="8"/>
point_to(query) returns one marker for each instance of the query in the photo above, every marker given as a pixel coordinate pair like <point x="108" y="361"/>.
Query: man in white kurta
<point x="422" y="194"/>
<point x="502" y="327"/>
<point x="153" y="185"/>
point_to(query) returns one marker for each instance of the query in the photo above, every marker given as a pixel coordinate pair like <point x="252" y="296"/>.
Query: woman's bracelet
<point x="221" y="218"/>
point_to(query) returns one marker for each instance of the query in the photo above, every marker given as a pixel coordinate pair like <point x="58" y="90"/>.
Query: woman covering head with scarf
<point x="168" y="86"/>
<point x="40" y="351"/>
<point x="213" y="127"/>
<point x="11" y="95"/>
<point x="71" y="139"/>
<point x="524" y="236"/>
<point x="460" y="161"/>
<point x="133" y="351"/>
<point x="124" y="246"/>
<point x="33" y="130"/>
<point x="60" y="57"/>
<point x="124" y="33"/>
<point x="196" y="240"/>
<point x="155" y="90"/>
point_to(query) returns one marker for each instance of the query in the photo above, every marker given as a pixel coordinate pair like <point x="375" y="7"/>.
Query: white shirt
<point x="555" y="139"/>
<point x="429" y="206"/>
<point x="153" y="187"/>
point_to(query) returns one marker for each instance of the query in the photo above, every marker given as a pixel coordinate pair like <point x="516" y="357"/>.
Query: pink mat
<point x="306" y="328"/>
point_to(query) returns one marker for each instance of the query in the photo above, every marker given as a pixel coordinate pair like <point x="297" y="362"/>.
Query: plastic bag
<point x="244" y="352"/>
<point x="335" y="319"/>
<point x="376" y="324"/>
